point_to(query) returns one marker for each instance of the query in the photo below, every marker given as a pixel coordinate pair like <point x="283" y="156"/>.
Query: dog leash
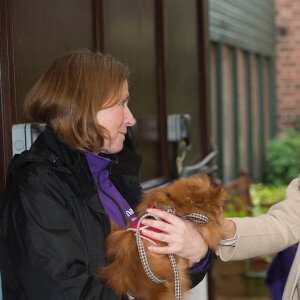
<point x="196" y="218"/>
<point x="193" y="217"/>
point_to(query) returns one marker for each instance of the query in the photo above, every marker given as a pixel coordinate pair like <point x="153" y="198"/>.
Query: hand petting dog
<point x="176" y="233"/>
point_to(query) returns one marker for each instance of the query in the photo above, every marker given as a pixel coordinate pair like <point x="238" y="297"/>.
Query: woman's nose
<point x="129" y="119"/>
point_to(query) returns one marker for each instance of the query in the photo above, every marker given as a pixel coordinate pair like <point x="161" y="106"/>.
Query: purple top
<point x="278" y="271"/>
<point x="114" y="204"/>
<point x="203" y="264"/>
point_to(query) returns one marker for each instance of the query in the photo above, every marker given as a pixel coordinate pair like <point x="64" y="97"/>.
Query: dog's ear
<point x="203" y="178"/>
<point x="219" y="194"/>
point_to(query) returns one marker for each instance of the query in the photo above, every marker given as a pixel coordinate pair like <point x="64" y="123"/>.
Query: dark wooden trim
<point x="161" y="89"/>
<point x="211" y="280"/>
<point x="272" y="95"/>
<point x="98" y="25"/>
<point x="238" y="188"/>
<point x="248" y="83"/>
<point x="235" y="110"/>
<point x="220" y="109"/>
<point x="203" y="71"/>
<point x="8" y="112"/>
<point x="261" y="115"/>
<point x="203" y="45"/>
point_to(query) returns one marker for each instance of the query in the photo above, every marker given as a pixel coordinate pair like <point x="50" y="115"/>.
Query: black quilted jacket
<point x="53" y="226"/>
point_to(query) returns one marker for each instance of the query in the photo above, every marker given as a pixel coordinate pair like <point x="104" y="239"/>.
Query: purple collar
<point x="113" y="202"/>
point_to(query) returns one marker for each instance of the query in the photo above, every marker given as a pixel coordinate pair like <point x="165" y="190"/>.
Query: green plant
<point x="283" y="158"/>
<point x="262" y="197"/>
<point x="232" y="212"/>
<point x="262" y="194"/>
<point x="235" y="208"/>
<point x="297" y="123"/>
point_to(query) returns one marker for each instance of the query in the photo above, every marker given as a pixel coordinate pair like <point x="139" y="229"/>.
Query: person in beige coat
<point x="270" y="233"/>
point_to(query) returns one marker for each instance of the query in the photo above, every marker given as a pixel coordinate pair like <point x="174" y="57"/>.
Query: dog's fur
<point x="125" y="272"/>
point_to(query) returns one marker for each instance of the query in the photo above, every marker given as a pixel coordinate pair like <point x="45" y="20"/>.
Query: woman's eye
<point x="123" y="103"/>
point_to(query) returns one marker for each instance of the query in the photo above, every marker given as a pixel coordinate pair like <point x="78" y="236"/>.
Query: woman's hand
<point x="228" y="229"/>
<point x="181" y="237"/>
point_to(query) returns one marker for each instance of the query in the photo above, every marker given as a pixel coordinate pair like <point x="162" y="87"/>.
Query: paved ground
<point x="231" y="282"/>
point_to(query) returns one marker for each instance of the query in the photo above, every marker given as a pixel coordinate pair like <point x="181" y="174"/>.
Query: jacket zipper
<point x="112" y="199"/>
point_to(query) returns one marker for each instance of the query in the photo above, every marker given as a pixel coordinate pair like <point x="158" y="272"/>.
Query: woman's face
<point x="115" y="120"/>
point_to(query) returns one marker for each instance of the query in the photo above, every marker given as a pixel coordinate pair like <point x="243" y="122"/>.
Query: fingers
<point x="168" y="217"/>
<point x="174" y="229"/>
<point x="161" y="250"/>
<point x="168" y="249"/>
<point x="162" y="226"/>
<point x="162" y="237"/>
<point x="181" y="237"/>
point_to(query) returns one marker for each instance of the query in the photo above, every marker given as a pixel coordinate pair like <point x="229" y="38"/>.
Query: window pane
<point x="43" y="36"/>
<point x="129" y="35"/>
<point x="181" y="61"/>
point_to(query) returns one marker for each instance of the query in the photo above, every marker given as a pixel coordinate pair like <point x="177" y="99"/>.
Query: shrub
<point x="231" y="209"/>
<point x="263" y="196"/>
<point x="283" y="158"/>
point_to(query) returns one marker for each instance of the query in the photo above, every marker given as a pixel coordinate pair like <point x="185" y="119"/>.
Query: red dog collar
<point x="133" y="226"/>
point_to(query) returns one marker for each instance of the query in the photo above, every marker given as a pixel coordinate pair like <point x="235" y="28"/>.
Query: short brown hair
<point x="71" y="91"/>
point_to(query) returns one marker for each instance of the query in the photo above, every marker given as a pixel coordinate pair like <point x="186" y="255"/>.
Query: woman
<point x="277" y="230"/>
<point x="61" y="195"/>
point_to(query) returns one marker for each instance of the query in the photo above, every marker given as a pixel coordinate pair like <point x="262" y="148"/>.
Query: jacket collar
<point x="69" y="159"/>
<point x="60" y="154"/>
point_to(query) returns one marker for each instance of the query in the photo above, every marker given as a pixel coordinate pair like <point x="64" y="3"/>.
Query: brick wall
<point x="287" y="62"/>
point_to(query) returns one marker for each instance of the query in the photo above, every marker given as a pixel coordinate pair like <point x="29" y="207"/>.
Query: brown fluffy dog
<point x="125" y="272"/>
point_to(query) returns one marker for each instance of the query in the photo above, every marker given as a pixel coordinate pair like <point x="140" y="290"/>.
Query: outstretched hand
<point x="182" y="237"/>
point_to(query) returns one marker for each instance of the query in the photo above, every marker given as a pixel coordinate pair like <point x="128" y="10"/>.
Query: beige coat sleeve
<point x="269" y="233"/>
